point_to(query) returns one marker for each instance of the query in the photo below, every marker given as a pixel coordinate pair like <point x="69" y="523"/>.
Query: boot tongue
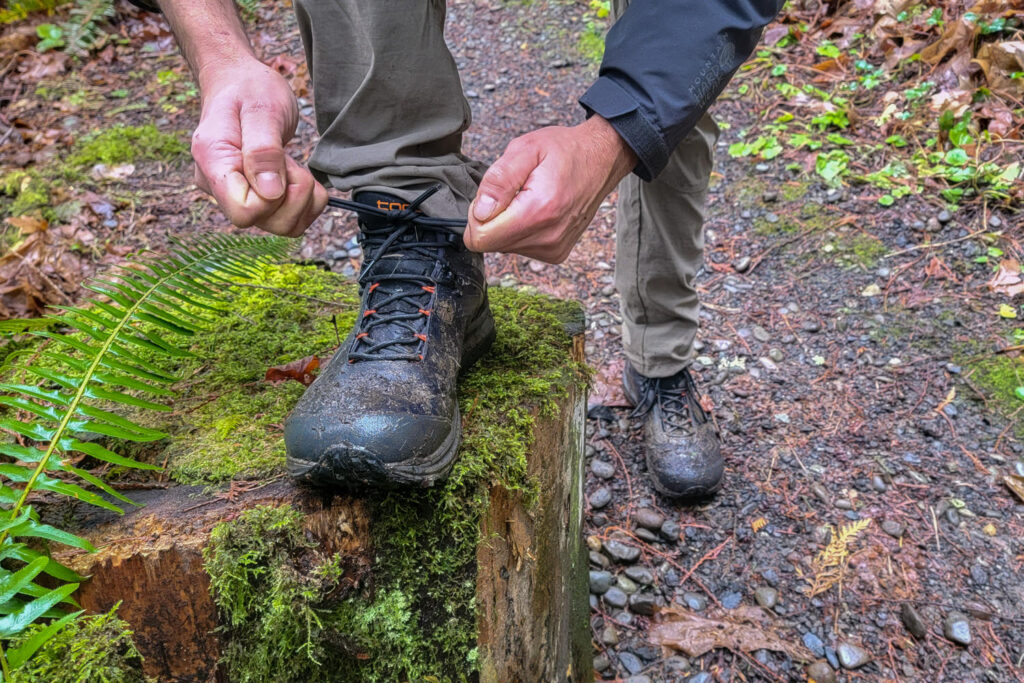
<point x="382" y="201"/>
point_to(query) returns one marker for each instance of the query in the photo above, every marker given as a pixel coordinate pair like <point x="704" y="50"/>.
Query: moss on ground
<point x="91" y="649"/>
<point x="860" y="250"/>
<point x="420" y="619"/>
<point x="998" y="377"/>
<point x="122" y="144"/>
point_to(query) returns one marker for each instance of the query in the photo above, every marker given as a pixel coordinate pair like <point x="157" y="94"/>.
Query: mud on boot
<point x="384" y="410"/>
<point x="683" y="449"/>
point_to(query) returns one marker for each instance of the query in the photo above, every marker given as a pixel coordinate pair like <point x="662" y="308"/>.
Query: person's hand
<point x="539" y="197"/>
<point x="249" y="113"/>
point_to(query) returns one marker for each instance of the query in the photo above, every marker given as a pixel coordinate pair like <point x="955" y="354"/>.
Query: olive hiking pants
<point x="390" y="111"/>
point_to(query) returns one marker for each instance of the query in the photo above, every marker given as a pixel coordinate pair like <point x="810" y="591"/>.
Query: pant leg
<point x="659" y="249"/>
<point x="389" y="103"/>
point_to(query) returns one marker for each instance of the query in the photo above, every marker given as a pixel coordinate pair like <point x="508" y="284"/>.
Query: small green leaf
<point x="1007" y="311"/>
<point x="886" y="200"/>
<point x="20" y="619"/>
<point x="957" y="157"/>
<point x="1019" y="393"/>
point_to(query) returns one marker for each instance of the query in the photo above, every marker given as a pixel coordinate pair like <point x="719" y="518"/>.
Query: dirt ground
<point x="843" y="348"/>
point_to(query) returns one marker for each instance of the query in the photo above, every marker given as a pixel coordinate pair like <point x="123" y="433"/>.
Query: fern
<point x="829" y="565"/>
<point x="82" y="29"/>
<point x="79" y="378"/>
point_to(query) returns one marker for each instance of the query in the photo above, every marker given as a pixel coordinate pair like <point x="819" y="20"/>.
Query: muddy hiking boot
<point x="384" y="411"/>
<point x="684" y="456"/>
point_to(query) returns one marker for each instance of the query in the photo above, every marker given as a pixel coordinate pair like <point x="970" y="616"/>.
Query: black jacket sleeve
<point x="665" y="62"/>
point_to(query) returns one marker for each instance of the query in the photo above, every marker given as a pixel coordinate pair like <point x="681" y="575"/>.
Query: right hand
<point x="248" y="114"/>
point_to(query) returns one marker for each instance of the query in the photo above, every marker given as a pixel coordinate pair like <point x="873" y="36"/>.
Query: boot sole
<point x="355" y="468"/>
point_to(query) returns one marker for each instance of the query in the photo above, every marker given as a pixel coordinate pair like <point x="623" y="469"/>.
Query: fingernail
<point x="269" y="185"/>
<point x="484" y="207"/>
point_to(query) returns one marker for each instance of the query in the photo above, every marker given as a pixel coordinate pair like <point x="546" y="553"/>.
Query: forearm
<point x="210" y="35"/>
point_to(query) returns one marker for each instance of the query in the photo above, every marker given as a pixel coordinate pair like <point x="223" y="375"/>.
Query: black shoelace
<point x="679" y="402"/>
<point x="398" y="304"/>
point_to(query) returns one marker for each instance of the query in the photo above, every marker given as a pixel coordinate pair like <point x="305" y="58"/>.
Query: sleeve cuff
<point x="147" y="5"/>
<point x="610" y="101"/>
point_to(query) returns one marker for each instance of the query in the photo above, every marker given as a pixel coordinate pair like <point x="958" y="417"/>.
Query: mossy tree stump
<point x="230" y="572"/>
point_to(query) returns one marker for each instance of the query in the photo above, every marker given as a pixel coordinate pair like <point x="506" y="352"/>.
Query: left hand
<point x="539" y="197"/>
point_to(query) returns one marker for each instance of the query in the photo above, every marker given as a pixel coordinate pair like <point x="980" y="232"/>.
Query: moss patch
<point x="122" y="144"/>
<point x="860" y="250"/>
<point x="89" y="649"/>
<point x="999" y="377"/>
<point x="420" y="619"/>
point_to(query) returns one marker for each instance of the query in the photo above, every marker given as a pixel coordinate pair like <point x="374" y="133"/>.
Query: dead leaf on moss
<point x="999" y="61"/>
<point x="302" y="371"/>
<point x="28" y="224"/>
<point x="745" y="629"/>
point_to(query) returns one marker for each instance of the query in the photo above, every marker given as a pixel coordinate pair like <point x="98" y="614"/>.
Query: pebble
<point x="627" y="584"/>
<point x="615" y="597"/>
<point x="621" y="552"/>
<point x="811" y="326"/>
<point x="646" y="535"/>
<point x="768" y="364"/>
<point x="952" y="516"/>
<point x="601" y="662"/>
<point x="731" y="600"/>
<point x="851" y="656"/>
<point x="610" y="636"/>
<point x="641" y="575"/>
<point x="600" y="498"/>
<point x="630" y="662"/>
<point x="879" y="484"/>
<point x="702" y="677"/>
<point x="776" y="355"/>
<point x="766" y="597"/>
<point x="820" y="672"/>
<point x="642" y="604"/>
<point x="995" y="222"/>
<point x="844" y="504"/>
<point x="770" y="196"/>
<point x="760" y="334"/>
<point x="649" y="518"/>
<point x="742" y="264"/>
<point x="677" y="663"/>
<point x="602" y="469"/>
<point x="594" y="542"/>
<point x="762" y="168"/>
<point x="944" y="216"/>
<point x="600" y="582"/>
<point x="670" y="530"/>
<point x="695" y="601"/>
<point x="639" y="679"/>
<point x="957" y="628"/>
<point x="599" y="560"/>
<point x="911" y="618"/>
<point x="814" y="644"/>
<point x="979" y="575"/>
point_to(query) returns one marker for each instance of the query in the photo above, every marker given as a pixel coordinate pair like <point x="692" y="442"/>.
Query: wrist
<point x="621" y="156"/>
<point x="216" y="70"/>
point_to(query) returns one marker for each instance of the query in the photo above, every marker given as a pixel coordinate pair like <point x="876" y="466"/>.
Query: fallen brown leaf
<point x="744" y="629"/>
<point x="1008" y="279"/>
<point x="28" y="224"/>
<point x="302" y="371"/>
<point x="1015" y="483"/>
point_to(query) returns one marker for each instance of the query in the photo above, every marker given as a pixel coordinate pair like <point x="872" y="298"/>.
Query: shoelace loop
<point x="401" y="301"/>
<point x="680" y="403"/>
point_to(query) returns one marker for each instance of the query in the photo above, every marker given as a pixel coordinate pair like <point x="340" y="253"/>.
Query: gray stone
<point x="649" y="518"/>
<point x="601" y="663"/>
<point x="742" y="264"/>
<point x="760" y="334"/>
<point x="766" y="597"/>
<point x="677" y="663"/>
<point x="647" y="535"/>
<point x="602" y="469"/>
<point x="627" y="585"/>
<point x="893" y="528"/>
<point x="639" y="679"/>
<point x="769" y="196"/>
<point x="600" y="582"/>
<point x="615" y="597"/>
<point x="670" y="530"/>
<point x="731" y="600"/>
<point x="912" y="620"/>
<point x="776" y="355"/>
<point x="979" y="575"/>
<point x="957" y="628"/>
<point x="630" y="662"/>
<point x="933" y="225"/>
<point x="851" y="656"/>
<point x="610" y="636"/>
<point x="620" y="552"/>
<point x="944" y="216"/>
<point x="811" y="326"/>
<point x="878" y="484"/>
<point x="641" y="575"/>
<point x="642" y="604"/>
<point x="820" y="672"/>
<point x="695" y="601"/>
<point x="599" y="560"/>
<point x="600" y="498"/>
<point x="702" y="677"/>
<point x="814" y="644"/>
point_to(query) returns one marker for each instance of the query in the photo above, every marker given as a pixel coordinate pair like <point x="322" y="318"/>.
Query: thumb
<point x="263" y="157"/>
<point x="504" y="179"/>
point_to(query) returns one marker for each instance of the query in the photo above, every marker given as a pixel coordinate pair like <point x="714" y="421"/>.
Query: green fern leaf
<point x="107" y="357"/>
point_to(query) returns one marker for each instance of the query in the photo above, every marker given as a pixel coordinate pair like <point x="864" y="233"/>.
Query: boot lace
<point x="678" y="399"/>
<point x="398" y="302"/>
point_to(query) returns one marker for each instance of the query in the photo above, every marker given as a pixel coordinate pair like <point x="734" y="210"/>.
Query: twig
<point x="934" y="245"/>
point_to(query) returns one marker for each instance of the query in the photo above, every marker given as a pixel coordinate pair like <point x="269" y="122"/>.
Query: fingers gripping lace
<point x="398" y="304"/>
<point x="679" y="403"/>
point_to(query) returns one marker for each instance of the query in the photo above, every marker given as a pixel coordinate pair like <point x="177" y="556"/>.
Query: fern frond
<point x="829" y="565"/>
<point x="82" y="29"/>
<point x="104" y="356"/>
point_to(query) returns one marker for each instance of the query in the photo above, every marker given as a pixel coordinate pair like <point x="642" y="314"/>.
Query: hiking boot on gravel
<point x="684" y="457"/>
<point x="384" y="411"/>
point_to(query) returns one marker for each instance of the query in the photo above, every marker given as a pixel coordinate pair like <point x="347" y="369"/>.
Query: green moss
<point x="795" y="190"/>
<point x="860" y="250"/>
<point x="590" y="43"/>
<point x="91" y="649"/>
<point x="420" y="619"/>
<point x="29" y="193"/>
<point x="999" y="376"/>
<point x="122" y="144"/>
